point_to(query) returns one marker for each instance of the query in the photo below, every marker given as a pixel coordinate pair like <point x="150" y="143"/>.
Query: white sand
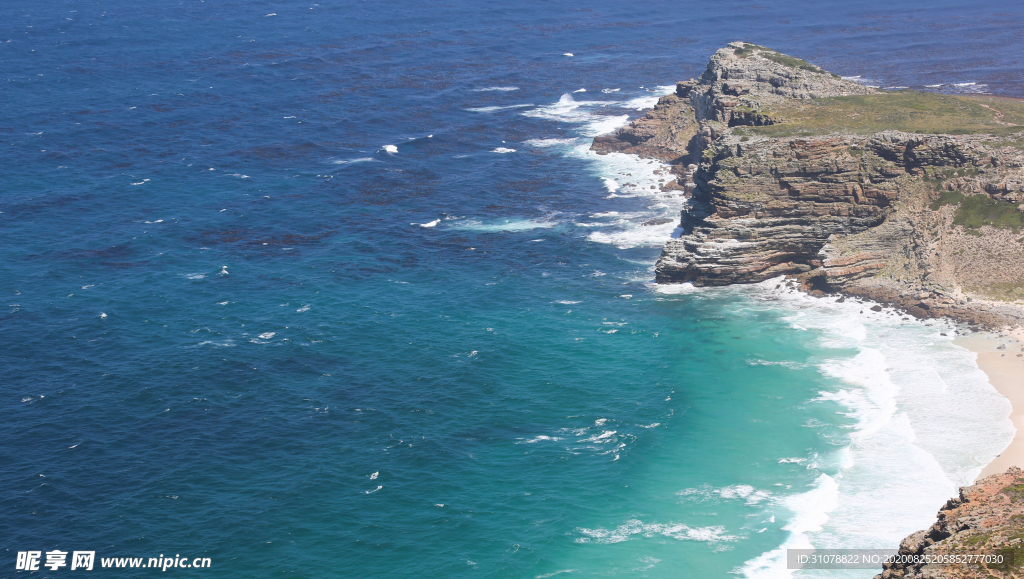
<point x="1005" y="370"/>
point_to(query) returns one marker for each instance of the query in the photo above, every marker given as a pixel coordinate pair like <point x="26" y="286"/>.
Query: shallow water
<point x="339" y="291"/>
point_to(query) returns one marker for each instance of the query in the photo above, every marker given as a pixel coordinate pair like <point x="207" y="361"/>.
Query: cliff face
<point x="799" y="172"/>
<point x="855" y="214"/>
<point x="667" y="132"/>
<point x="740" y="81"/>
<point x="988" y="517"/>
<point x="743" y="80"/>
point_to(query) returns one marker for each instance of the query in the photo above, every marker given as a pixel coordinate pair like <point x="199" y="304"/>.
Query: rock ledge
<point x="780" y="184"/>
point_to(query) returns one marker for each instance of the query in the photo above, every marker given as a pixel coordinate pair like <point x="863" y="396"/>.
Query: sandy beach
<point x="1005" y="370"/>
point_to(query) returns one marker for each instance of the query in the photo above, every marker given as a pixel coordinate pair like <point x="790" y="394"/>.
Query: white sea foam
<point x="748" y="494"/>
<point x="390" y="149"/>
<point x="784" y="363"/>
<point x="676" y="289"/>
<point x="359" y="160"/>
<point x="538" y="439"/>
<point x="640" y="103"/>
<point x="961" y="87"/>
<point x="502" y="225"/>
<point x="503" y="150"/>
<point x="223" y="343"/>
<point x="600" y="437"/>
<point x="569" y="110"/>
<point x="869" y="82"/>
<point x="969" y="87"/>
<point x="633" y="527"/>
<point x="923" y="420"/>
<point x="497" y="108"/>
<point x="429" y="223"/>
<point x="810" y="511"/>
<point x="551" y="142"/>
<point x="498" y="88"/>
<point x="547" y="575"/>
<point x="621" y="175"/>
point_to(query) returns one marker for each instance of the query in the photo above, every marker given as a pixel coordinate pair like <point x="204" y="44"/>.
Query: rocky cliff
<point x="909" y="198"/>
<point x="988" y="517"/>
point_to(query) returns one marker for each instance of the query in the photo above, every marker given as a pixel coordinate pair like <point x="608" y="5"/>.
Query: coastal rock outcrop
<point x="987" y="518"/>
<point x="740" y="81"/>
<point x="912" y="199"/>
<point x="743" y="80"/>
<point x="668" y="132"/>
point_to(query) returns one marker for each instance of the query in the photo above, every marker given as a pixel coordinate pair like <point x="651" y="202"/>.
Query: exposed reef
<point x="909" y="198"/>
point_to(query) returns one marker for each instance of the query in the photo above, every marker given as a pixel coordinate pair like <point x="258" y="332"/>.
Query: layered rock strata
<point x="873" y="214"/>
<point x="737" y="86"/>
<point x="987" y="518"/>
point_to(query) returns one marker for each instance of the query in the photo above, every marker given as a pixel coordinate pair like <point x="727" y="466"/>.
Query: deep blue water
<point x="237" y="326"/>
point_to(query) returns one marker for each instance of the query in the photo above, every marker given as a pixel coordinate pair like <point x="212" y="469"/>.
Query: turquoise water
<point x="338" y="291"/>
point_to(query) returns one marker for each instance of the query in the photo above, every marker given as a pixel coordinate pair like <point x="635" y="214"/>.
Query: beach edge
<point x="1005" y="372"/>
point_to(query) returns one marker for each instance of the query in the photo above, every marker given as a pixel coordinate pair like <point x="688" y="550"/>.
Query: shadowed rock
<point x="799" y="172"/>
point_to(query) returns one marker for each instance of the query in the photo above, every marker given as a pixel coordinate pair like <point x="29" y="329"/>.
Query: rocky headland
<point x="913" y="199"/>
<point x="987" y="518"/>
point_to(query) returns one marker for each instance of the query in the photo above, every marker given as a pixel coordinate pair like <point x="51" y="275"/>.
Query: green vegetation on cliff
<point x="973" y="211"/>
<point x="777" y="57"/>
<point x="1006" y="291"/>
<point x="905" y="110"/>
<point x="978" y="210"/>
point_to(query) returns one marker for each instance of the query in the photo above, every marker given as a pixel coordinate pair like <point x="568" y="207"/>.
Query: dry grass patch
<point x="905" y="110"/>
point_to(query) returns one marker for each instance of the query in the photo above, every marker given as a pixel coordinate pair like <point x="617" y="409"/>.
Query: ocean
<point x="339" y="290"/>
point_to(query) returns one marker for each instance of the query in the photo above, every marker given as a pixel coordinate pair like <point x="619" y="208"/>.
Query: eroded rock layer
<point x="986" y="519"/>
<point x="737" y="86"/>
<point x="929" y="222"/>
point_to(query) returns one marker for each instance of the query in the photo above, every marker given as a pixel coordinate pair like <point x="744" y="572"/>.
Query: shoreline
<point x="1005" y="371"/>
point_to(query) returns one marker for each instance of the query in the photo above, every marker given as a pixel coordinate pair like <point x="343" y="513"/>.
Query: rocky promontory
<point x="986" y="519"/>
<point x="910" y="198"/>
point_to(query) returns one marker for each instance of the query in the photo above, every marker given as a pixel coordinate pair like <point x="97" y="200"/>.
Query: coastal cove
<point x="1000" y="358"/>
<point x="799" y="178"/>
<point x="457" y="291"/>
